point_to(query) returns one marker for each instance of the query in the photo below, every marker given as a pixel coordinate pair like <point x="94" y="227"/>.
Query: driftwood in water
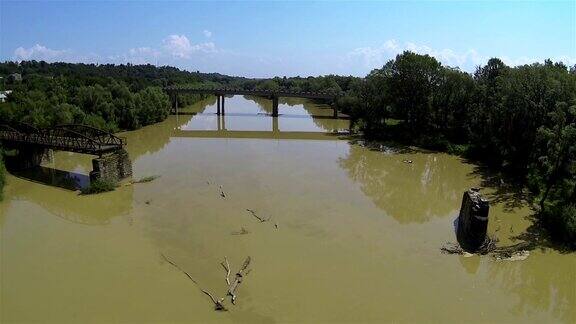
<point x="262" y="220"/>
<point x="242" y="231"/>
<point x="238" y="278"/>
<point x="217" y="302"/>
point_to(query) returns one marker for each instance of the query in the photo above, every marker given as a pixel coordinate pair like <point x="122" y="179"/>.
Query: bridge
<point x="220" y="93"/>
<point x="32" y="145"/>
<point x="71" y="138"/>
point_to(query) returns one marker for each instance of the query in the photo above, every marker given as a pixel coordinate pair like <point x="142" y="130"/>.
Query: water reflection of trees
<point x="541" y="283"/>
<point x="429" y="187"/>
<point x="88" y="210"/>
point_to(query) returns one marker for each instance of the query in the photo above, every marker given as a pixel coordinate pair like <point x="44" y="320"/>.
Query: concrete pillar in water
<point x="274" y="106"/>
<point x="223" y="111"/>
<point x="335" y="111"/>
<point x="472" y="221"/>
<point x="218" y="105"/>
<point x="112" y="167"/>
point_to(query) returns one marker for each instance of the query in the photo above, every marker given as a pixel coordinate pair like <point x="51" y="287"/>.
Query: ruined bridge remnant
<point x="472" y="221"/>
<point x="273" y="95"/>
<point x="32" y="144"/>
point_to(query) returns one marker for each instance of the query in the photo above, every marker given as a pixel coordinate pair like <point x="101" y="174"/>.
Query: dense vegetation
<point x="111" y="97"/>
<point x="521" y="120"/>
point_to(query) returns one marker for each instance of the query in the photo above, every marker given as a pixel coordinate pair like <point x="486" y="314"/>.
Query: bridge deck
<point x="264" y="93"/>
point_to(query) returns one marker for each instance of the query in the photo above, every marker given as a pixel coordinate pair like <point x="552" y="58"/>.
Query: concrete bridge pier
<point x="334" y="110"/>
<point x="218" y="105"/>
<point x="223" y="111"/>
<point x="112" y="167"/>
<point x="275" y="106"/>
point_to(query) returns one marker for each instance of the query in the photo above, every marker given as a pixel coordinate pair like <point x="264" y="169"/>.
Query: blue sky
<point x="260" y="39"/>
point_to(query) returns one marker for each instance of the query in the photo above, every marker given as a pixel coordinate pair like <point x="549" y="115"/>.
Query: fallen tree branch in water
<point x="217" y="303"/>
<point x="262" y="220"/>
<point x="227" y="268"/>
<point x="242" y="231"/>
<point x="239" y="275"/>
<point x="515" y="252"/>
<point x="145" y="179"/>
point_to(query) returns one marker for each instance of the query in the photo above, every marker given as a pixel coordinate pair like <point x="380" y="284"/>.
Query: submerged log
<point x="472" y="221"/>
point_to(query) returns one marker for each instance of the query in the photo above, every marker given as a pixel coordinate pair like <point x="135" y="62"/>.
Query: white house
<point x="4" y="95"/>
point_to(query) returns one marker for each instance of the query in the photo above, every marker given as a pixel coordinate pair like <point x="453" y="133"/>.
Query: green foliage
<point x="99" y="186"/>
<point x="110" y="97"/>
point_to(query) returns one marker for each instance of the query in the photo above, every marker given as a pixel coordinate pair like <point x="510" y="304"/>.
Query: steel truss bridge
<point x="71" y="138"/>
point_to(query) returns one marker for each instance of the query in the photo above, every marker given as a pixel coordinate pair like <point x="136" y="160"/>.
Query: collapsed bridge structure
<point x="34" y="144"/>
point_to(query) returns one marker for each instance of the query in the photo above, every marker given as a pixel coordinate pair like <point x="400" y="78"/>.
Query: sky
<point x="266" y="38"/>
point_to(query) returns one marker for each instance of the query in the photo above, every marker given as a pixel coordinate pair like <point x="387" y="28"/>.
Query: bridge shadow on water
<point x="54" y="177"/>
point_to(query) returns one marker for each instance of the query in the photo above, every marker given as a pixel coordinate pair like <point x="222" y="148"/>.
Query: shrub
<point x="98" y="186"/>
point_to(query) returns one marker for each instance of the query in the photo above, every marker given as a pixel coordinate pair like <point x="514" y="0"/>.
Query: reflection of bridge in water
<point x="275" y="133"/>
<point x="324" y="127"/>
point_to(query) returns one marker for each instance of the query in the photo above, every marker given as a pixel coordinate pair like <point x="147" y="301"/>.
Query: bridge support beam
<point x="27" y="157"/>
<point x="218" y="105"/>
<point x="274" y="106"/>
<point x="223" y="111"/>
<point x="112" y="167"/>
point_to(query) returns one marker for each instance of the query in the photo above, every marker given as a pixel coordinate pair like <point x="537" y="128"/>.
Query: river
<point x="353" y="234"/>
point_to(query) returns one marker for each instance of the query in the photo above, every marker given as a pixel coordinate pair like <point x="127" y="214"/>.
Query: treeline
<point x="519" y="119"/>
<point x="110" y="97"/>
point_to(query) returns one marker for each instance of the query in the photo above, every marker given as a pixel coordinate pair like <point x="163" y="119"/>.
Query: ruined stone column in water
<point x="472" y="221"/>
<point x="112" y="167"/>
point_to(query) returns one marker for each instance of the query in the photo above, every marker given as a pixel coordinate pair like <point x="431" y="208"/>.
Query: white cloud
<point x="39" y="52"/>
<point x="207" y="33"/>
<point x="375" y="57"/>
<point x="180" y="46"/>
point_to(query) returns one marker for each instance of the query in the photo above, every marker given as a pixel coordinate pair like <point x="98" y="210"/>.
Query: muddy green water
<point x="358" y="237"/>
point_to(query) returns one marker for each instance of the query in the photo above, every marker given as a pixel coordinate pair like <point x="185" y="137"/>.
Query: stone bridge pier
<point x="112" y="167"/>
